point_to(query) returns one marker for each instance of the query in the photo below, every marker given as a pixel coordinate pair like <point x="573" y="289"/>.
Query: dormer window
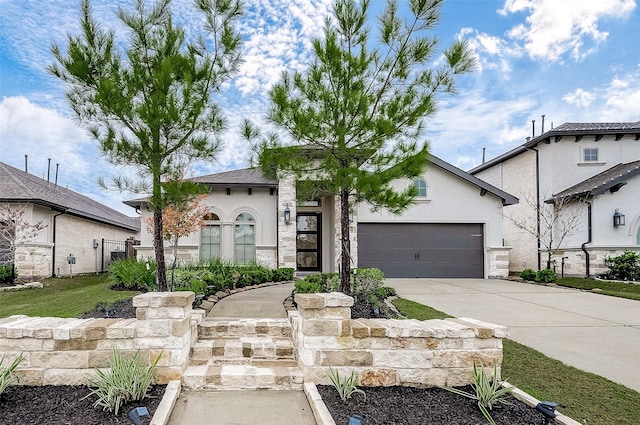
<point x="590" y="154"/>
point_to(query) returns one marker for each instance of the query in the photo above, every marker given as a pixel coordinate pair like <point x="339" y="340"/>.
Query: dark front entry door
<point x="309" y="241"/>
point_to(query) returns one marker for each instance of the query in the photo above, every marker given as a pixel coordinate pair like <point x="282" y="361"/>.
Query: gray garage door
<point x="422" y="250"/>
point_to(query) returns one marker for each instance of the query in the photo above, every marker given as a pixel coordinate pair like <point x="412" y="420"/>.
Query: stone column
<point x="164" y="330"/>
<point x="286" y="231"/>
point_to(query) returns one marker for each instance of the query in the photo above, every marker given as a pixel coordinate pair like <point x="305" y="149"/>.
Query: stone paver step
<point x="232" y="377"/>
<point x="215" y="328"/>
<point x="255" y="347"/>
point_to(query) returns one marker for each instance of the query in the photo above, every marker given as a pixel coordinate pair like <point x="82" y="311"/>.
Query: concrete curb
<point x="529" y="400"/>
<point x="162" y="413"/>
<point x="319" y="409"/>
<point x="323" y="417"/>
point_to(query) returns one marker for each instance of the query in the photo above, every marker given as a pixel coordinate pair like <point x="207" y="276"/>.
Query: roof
<point x="244" y="177"/>
<point x="19" y="186"/>
<point x="612" y="179"/>
<point x="485" y="187"/>
<point x="569" y="129"/>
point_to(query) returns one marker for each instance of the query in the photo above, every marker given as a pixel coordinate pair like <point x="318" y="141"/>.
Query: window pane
<point x="307" y="241"/>
<point x="244" y="217"/>
<point x="210" y="242"/>
<point x="307" y="223"/>
<point x="307" y="259"/>
<point x="591" y="154"/>
<point x="244" y="249"/>
<point x="421" y="187"/>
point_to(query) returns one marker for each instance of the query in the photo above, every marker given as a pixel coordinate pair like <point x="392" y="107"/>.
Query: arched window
<point x="210" y="238"/>
<point x="638" y="239"/>
<point x="421" y="187"/>
<point x="245" y="240"/>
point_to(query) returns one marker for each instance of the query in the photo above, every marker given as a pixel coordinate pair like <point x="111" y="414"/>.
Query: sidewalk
<point x="264" y="407"/>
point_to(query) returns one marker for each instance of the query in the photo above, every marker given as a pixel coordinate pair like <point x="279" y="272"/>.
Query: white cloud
<point x="491" y="52"/>
<point x="556" y="27"/>
<point x="621" y="98"/>
<point x="579" y="97"/>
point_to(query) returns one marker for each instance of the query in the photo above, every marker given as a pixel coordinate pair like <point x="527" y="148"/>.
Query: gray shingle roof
<point x="19" y="186"/>
<point x="618" y="129"/>
<point x="612" y="179"/>
<point x="243" y="177"/>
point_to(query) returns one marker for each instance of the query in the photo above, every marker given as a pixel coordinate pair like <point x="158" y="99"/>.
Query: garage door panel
<point x="422" y="250"/>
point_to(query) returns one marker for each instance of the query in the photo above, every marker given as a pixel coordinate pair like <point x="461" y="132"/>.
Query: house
<point x="454" y="228"/>
<point x="587" y="171"/>
<point x="78" y="229"/>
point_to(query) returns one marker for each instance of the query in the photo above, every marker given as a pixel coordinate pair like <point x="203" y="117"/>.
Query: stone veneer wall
<point x="61" y="351"/>
<point x="389" y="352"/>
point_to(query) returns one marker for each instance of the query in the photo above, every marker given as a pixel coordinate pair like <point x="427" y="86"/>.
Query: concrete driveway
<point x="596" y="333"/>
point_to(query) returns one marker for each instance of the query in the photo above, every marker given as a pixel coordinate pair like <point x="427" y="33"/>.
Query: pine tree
<point x="148" y="101"/>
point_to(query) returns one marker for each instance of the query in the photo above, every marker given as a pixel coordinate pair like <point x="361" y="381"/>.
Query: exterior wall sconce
<point x="618" y="219"/>
<point x="287" y="215"/>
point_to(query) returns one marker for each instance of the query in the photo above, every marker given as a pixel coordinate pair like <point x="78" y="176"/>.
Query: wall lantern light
<point x="287" y="215"/>
<point x="618" y="219"/>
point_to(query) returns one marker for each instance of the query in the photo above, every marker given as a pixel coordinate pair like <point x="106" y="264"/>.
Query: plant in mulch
<point x="486" y="392"/>
<point x="7" y="376"/>
<point x="128" y="380"/>
<point x="345" y="385"/>
<point x="528" y="274"/>
<point x="625" y="266"/>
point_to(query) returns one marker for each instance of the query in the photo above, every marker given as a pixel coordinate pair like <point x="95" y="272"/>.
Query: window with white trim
<point x="421" y="187"/>
<point x="590" y="154"/>
<point x="210" y="238"/>
<point x="245" y="239"/>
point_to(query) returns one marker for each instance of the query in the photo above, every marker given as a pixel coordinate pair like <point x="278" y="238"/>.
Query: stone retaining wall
<point x="66" y="351"/>
<point x="390" y="352"/>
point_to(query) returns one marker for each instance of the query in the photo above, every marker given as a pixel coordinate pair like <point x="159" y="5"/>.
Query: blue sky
<point x="571" y="60"/>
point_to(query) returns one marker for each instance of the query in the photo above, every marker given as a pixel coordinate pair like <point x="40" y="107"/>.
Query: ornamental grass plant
<point x="7" y="375"/>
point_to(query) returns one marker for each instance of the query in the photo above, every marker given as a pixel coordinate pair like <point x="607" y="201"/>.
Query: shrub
<point x="486" y="392"/>
<point x="308" y="286"/>
<point x="528" y="274"/>
<point x="128" y="380"/>
<point x="5" y="273"/>
<point x="546" y="276"/>
<point x="7" y="376"/>
<point x="134" y="274"/>
<point x="283" y="274"/>
<point x="366" y="282"/>
<point x="345" y="386"/>
<point x="623" y="267"/>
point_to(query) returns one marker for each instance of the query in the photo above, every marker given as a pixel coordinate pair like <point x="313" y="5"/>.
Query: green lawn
<point x="616" y="289"/>
<point x="64" y="297"/>
<point x="585" y="397"/>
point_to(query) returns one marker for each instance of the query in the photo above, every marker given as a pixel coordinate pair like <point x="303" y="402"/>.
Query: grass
<point x="616" y="289"/>
<point x="583" y="396"/>
<point x="62" y="297"/>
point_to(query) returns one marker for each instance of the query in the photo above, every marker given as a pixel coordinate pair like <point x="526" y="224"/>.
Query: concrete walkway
<point x="596" y="333"/>
<point x="264" y="407"/>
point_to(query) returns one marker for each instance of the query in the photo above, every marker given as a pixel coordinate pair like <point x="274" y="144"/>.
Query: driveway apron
<point x="595" y="333"/>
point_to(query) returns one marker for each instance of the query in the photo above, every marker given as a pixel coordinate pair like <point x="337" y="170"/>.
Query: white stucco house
<point x="594" y="169"/>
<point x="76" y="225"/>
<point x="454" y="228"/>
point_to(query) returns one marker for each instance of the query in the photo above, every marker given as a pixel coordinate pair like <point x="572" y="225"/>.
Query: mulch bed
<point x="120" y="309"/>
<point x="66" y="405"/>
<point x="423" y="406"/>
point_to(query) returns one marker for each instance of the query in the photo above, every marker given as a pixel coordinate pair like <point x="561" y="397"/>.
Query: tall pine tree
<point x="357" y="114"/>
<point x="148" y="101"/>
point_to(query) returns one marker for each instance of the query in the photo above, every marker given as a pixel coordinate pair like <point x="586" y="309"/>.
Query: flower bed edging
<point x="530" y="400"/>
<point x="163" y="412"/>
<point x="323" y="417"/>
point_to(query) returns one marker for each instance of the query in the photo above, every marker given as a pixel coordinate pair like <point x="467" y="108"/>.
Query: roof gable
<point x="243" y="177"/>
<point x="19" y="186"/>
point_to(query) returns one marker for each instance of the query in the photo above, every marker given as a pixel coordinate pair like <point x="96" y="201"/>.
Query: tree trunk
<point x="345" y="277"/>
<point x="158" y="244"/>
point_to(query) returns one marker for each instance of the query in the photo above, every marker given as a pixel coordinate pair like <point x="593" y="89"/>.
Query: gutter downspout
<point x="584" y="249"/>
<point x="53" y="250"/>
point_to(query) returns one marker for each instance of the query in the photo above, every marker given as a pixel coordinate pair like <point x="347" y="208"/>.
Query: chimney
<point x="483" y="152"/>
<point x="48" y="169"/>
<point x="26" y="167"/>
<point x="57" y="164"/>
<point x="533" y="128"/>
<point x="542" y="124"/>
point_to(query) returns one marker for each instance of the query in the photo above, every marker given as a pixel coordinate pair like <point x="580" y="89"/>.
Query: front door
<point x="309" y="241"/>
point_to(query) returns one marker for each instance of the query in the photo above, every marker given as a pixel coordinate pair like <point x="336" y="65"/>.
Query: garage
<point x="437" y="250"/>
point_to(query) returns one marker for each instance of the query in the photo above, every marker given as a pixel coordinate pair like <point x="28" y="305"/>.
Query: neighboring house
<point x="94" y="233"/>
<point x="452" y="230"/>
<point x="594" y="170"/>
